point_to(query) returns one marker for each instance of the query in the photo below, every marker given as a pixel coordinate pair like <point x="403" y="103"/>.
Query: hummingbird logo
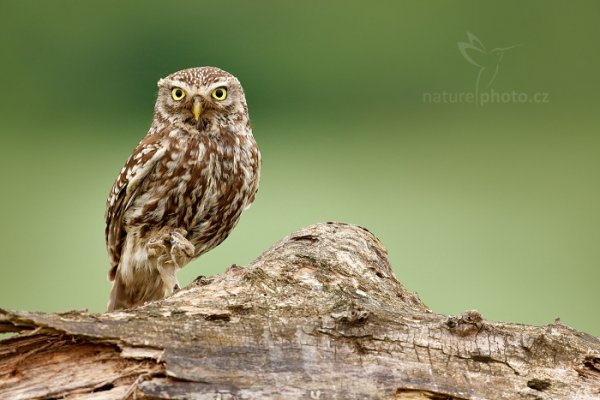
<point x="487" y="61"/>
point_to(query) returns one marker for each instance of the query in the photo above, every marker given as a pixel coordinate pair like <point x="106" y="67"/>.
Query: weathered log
<point x="319" y="315"/>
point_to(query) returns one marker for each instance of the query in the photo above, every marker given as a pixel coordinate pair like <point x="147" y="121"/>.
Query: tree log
<point x="320" y="315"/>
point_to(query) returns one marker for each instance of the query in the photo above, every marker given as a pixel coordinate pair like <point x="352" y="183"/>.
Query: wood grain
<point x="319" y="315"/>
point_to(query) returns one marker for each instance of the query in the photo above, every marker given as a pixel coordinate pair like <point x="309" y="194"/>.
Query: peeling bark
<point x="319" y="315"/>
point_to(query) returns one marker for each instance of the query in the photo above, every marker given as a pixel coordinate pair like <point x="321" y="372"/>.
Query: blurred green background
<point x="493" y="207"/>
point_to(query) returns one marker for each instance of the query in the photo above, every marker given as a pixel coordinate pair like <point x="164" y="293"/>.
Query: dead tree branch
<point x="319" y="315"/>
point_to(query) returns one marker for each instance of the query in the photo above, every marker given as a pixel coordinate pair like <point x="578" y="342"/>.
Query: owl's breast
<point x="200" y="185"/>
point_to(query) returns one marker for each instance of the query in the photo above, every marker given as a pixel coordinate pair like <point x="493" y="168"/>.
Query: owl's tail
<point x="117" y="299"/>
<point x="127" y="295"/>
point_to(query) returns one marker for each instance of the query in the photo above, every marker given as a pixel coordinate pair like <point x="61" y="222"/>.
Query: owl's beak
<point x="197" y="109"/>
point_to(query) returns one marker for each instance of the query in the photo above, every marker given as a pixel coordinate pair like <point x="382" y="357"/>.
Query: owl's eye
<point x="178" y="94"/>
<point x="219" y="93"/>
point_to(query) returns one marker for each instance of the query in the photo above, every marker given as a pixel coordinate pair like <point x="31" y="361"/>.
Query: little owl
<point x="184" y="187"/>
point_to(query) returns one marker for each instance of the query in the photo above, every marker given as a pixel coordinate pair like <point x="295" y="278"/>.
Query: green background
<point x="491" y="207"/>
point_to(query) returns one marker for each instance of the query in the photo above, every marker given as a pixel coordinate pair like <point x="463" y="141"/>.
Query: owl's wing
<point x="138" y="166"/>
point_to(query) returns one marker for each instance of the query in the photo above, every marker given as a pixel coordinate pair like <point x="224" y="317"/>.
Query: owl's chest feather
<point x="196" y="179"/>
<point x="200" y="164"/>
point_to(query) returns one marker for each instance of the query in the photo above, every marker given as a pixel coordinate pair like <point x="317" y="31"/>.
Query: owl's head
<point x="202" y="98"/>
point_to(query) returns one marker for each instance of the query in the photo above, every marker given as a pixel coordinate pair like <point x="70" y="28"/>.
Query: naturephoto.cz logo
<point x="487" y="63"/>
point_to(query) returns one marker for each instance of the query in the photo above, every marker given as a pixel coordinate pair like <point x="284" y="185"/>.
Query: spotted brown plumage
<point x="184" y="187"/>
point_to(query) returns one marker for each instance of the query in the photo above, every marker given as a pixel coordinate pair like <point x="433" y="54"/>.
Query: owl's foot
<point x="172" y="251"/>
<point x="172" y="244"/>
<point x="168" y="274"/>
<point x="157" y="245"/>
<point x="182" y="250"/>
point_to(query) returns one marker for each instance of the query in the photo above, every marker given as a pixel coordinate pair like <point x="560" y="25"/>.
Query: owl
<point x="184" y="187"/>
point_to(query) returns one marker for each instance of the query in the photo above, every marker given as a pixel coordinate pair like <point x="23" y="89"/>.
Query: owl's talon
<point x="157" y="245"/>
<point x="170" y="250"/>
<point x="155" y="248"/>
<point x="181" y="249"/>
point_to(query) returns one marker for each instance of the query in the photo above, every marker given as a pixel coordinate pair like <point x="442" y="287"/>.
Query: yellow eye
<point x="219" y="93"/>
<point x="178" y="94"/>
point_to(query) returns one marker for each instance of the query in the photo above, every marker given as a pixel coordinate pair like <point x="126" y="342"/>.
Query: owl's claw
<point x="181" y="249"/>
<point x="172" y="251"/>
<point x="156" y="247"/>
